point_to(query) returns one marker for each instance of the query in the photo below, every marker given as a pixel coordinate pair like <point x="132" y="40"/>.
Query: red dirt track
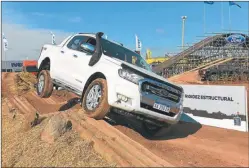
<point x="121" y="141"/>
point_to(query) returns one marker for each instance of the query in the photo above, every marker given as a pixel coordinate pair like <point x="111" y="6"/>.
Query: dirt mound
<point x="56" y="127"/>
<point x="26" y="149"/>
<point x="24" y="82"/>
<point x="186" y="78"/>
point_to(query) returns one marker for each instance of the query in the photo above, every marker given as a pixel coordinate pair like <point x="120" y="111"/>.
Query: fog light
<point x="174" y="110"/>
<point x="119" y="97"/>
<point x="122" y="97"/>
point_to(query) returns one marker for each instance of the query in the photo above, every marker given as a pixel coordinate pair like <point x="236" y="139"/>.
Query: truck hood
<point x="141" y="70"/>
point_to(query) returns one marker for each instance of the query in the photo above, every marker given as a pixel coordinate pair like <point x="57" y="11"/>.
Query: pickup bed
<point x="109" y="78"/>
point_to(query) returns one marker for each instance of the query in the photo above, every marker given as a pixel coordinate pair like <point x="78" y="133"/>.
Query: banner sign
<point x="219" y="106"/>
<point x="16" y="64"/>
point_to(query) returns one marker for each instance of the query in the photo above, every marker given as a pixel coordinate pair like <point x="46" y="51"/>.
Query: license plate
<point x="161" y="107"/>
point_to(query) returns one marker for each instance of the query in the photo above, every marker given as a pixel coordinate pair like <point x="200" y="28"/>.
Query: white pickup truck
<point x="109" y="78"/>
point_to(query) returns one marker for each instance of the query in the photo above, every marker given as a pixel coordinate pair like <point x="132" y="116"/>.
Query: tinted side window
<point x="75" y="42"/>
<point x="91" y="41"/>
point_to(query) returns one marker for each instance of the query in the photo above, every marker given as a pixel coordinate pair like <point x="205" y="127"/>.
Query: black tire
<point x="101" y="106"/>
<point x="152" y="130"/>
<point x="44" y="90"/>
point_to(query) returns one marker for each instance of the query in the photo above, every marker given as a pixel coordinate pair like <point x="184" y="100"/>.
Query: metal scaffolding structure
<point x="225" y="54"/>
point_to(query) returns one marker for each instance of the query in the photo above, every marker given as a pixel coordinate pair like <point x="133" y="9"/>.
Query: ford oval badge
<point x="236" y="39"/>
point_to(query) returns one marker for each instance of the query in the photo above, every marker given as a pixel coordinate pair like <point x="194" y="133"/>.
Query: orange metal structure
<point x="30" y="66"/>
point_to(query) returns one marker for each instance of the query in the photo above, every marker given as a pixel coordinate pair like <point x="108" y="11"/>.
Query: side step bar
<point x="66" y="87"/>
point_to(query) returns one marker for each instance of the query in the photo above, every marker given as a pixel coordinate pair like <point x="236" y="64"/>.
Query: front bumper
<point x="141" y="103"/>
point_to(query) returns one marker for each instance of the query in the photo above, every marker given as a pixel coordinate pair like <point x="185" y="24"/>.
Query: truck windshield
<point x="117" y="51"/>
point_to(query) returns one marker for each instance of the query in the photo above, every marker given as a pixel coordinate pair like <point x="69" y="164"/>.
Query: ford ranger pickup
<point x="109" y="77"/>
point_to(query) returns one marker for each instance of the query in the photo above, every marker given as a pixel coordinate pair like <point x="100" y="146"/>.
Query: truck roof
<point x="88" y="34"/>
<point x="94" y="35"/>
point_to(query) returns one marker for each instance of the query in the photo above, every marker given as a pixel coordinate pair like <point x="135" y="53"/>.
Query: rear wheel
<point x="95" y="100"/>
<point x="44" y="85"/>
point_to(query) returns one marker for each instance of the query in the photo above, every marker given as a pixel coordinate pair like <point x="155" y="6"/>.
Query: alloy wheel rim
<point x="41" y="83"/>
<point x="93" y="97"/>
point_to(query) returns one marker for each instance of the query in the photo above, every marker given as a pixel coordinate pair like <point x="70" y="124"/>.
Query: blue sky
<point x="157" y="24"/>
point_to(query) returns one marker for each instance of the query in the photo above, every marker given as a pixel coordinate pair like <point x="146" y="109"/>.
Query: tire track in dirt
<point x="26" y="109"/>
<point x="50" y="100"/>
<point x="41" y="106"/>
<point x="44" y="100"/>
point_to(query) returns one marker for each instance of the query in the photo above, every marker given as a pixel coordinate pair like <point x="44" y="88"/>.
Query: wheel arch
<point x="45" y="65"/>
<point x="92" y="78"/>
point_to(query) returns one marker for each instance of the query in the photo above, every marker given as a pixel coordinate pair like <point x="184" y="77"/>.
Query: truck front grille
<point x="161" y="90"/>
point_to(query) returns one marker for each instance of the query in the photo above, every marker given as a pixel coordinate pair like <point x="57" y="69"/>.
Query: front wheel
<point x="44" y="85"/>
<point x="95" y="100"/>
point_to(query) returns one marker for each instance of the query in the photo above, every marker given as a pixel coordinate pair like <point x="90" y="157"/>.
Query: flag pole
<point x="229" y="19"/>
<point x="204" y="18"/>
<point x="222" y="27"/>
<point x="6" y="60"/>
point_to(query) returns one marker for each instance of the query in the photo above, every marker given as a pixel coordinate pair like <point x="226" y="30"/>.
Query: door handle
<point x="75" y="56"/>
<point x="62" y="52"/>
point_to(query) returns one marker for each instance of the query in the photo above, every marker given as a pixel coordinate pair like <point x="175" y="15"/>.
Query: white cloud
<point x="38" y="14"/>
<point x="44" y="15"/>
<point x="25" y="42"/>
<point x="159" y="30"/>
<point x="75" y="19"/>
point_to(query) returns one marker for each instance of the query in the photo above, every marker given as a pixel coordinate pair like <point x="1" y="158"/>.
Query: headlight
<point x="130" y="76"/>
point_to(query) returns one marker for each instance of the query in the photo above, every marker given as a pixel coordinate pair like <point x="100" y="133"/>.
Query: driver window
<point x="90" y="41"/>
<point x="75" y="42"/>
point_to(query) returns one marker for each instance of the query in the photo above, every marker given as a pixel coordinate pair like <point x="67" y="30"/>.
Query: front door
<point x="81" y="60"/>
<point x="68" y="60"/>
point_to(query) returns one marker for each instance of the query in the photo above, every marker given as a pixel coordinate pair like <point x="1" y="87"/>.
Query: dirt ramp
<point x="108" y="140"/>
<point x="204" y="147"/>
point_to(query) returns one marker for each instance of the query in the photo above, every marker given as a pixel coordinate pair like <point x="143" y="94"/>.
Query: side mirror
<point x="87" y="47"/>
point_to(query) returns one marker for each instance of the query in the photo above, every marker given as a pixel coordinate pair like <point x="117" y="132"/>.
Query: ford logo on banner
<point x="236" y="39"/>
